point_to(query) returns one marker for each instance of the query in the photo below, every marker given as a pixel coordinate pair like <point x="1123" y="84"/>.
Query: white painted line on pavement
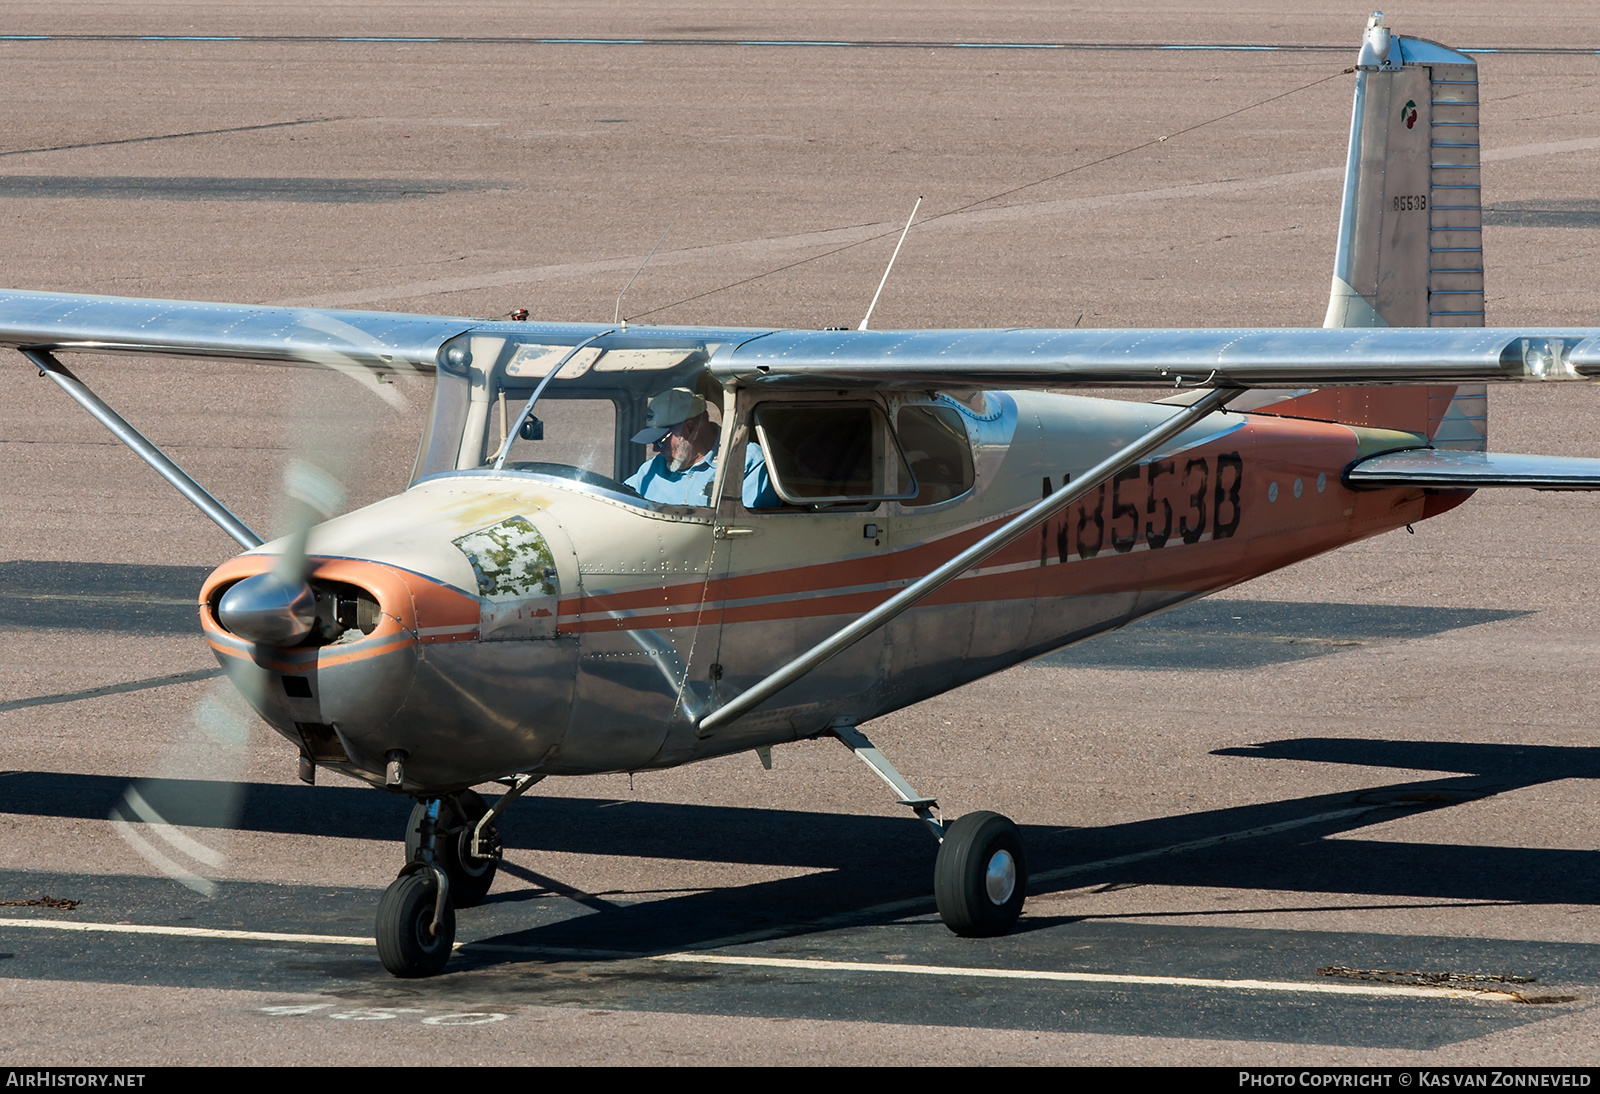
<point x="1085" y="977"/>
<point x="839" y="919"/>
<point x="808" y="964"/>
<point x="188" y="932"/>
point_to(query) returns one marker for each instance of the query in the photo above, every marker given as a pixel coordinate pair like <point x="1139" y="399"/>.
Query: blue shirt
<point x="692" y="486"/>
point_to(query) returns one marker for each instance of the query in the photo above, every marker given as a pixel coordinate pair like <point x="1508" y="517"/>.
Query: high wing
<point x="947" y="359"/>
<point x="42" y="324"/>
<point x="70" y="322"/>
<point x="382" y="341"/>
<point x="1274" y="358"/>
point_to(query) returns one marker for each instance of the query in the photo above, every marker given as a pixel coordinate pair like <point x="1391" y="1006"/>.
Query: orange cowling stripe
<point x="408" y="601"/>
<point x="305" y="659"/>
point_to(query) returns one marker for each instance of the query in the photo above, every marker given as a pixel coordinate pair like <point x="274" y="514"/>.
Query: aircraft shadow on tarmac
<point x="1223" y="635"/>
<point x="853" y="863"/>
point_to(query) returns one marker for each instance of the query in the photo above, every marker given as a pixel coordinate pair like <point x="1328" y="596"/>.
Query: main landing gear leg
<point x="980" y="878"/>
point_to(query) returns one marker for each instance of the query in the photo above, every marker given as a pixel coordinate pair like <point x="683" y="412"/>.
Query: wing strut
<point x="990" y="544"/>
<point x="149" y="453"/>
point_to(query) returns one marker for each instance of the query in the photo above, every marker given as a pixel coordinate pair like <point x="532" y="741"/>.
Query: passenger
<point x="684" y="468"/>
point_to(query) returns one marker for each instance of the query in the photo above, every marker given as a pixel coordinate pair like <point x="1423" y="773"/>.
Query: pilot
<point x="684" y="467"/>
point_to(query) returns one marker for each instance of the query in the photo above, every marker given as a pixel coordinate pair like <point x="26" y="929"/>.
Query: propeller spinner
<point x="269" y="610"/>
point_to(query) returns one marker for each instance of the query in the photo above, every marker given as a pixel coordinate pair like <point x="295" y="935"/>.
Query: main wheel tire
<point x="980" y="878"/>
<point x="470" y="877"/>
<point x="407" y="945"/>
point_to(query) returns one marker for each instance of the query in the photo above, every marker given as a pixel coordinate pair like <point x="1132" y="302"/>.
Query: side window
<point x="831" y="454"/>
<point x="936" y="447"/>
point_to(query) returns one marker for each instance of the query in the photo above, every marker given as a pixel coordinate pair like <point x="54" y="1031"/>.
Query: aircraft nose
<point x="327" y="661"/>
<point x="268" y="610"/>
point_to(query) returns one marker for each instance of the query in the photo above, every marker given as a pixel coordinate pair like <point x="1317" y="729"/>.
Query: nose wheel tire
<point x="980" y="878"/>
<point x="470" y="877"/>
<point x="407" y="944"/>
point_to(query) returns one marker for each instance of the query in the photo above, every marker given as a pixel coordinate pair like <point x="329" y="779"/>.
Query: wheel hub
<point x="471" y="864"/>
<point x="1000" y="879"/>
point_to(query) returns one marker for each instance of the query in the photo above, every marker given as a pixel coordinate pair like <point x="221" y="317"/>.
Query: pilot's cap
<point x="671" y="408"/>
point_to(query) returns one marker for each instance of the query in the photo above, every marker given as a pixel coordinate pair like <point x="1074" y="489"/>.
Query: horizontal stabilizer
<point x="1453" y="470"/>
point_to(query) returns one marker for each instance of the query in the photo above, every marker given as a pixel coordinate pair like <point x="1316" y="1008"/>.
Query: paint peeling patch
<point x="517" y="581"/>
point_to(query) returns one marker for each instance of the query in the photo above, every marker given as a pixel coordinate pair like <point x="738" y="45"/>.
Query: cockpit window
<point x="832" y="454"/>
<point x="936" y="446"/>
<point x="585" y="425"/>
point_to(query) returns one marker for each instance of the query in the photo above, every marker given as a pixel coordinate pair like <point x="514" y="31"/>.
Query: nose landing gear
<point x="416" y="927"/>
<point x="452" y="854"/>
<point x="471" y="875"/>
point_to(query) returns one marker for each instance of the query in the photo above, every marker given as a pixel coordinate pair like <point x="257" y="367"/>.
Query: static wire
<point x="997" y="196"/>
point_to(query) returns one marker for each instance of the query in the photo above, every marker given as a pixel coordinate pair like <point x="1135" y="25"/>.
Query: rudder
<point x="1410" y="244"/>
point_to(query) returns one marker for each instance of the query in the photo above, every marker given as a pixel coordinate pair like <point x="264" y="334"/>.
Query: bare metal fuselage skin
<point x="648" y="618"/>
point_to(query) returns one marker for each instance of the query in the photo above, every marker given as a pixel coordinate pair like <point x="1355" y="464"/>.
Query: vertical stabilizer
<point x="1410" y="249"/>
<point x="1410" y="246"/>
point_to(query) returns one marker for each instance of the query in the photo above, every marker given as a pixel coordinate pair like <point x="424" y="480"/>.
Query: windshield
<point x="589" y="424"/>
<point x="559" y="437"/>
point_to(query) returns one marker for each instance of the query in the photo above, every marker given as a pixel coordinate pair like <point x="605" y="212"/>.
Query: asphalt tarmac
<point x="1344" y="814"/>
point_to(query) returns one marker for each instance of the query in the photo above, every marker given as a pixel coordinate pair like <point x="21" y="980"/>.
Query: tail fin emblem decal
<point x="1409" y="113"/>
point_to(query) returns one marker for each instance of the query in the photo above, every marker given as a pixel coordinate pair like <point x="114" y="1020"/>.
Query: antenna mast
<point x="616" y="315"/>
<point x="892" y="257"/>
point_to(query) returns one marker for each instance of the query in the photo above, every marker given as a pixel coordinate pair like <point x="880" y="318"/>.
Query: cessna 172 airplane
<point x="938" y="513"/>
